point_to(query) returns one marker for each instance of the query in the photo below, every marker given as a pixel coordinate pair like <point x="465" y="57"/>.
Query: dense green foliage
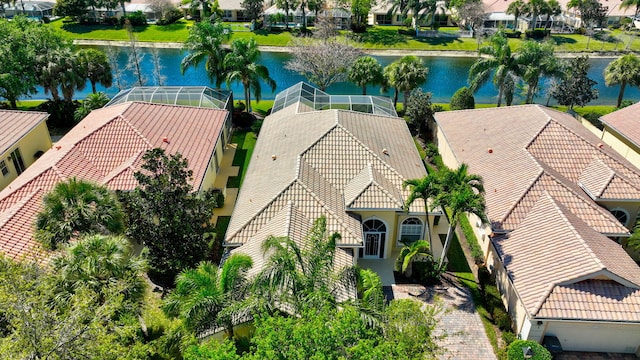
<point x="420" y="110"/>
<point x="462" y="99"/>
<point x="165" y="215"/>
<point x="39" y="324"/>
<point x="404" y="75"/>
<point x="575" y="88"/>
<point x="76" y="207"/>
<point x="366" y="71"/>
<point x="623" y="70"/>
<point x="241" y="64"/>
<point x="538" y="351"/>
<point x="205" y="44"/>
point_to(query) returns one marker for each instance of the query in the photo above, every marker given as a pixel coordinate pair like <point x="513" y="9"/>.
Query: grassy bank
<point x="376" y="37"/>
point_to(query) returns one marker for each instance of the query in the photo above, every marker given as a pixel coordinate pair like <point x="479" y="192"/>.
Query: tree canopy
<point x="167" y="216"/>
<point x="575" y="88"/>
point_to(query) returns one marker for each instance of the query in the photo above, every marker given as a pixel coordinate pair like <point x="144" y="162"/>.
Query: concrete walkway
<point x="465" y="337"/>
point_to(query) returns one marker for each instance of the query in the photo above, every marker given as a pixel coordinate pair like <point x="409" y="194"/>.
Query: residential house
<point x="560" y="204"/>
<point x="342" y="157"/>
<point x="107" y="148"/>
<point x="622" y="132"/>
<point x="24" y="139"/>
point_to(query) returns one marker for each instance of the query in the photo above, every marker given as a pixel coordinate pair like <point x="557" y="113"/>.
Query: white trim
<point x="400" y="223"/>
<point x="386" y="238"/>
<point x="624" y="211"/>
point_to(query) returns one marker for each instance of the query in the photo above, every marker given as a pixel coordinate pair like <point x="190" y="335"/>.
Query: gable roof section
<point x="106" y="147"/>
<point x="577" y="251"/>
<point x="14" y="125"/>
<point x="625" y="122"/>
<point x="311" y="158"/>
<point x="529" y="141"/>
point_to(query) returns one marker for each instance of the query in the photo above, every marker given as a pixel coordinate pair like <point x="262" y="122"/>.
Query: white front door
<point x="375" y="232"/>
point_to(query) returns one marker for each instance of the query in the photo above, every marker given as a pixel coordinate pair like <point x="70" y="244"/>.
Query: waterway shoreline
<point x="376" y="52"/>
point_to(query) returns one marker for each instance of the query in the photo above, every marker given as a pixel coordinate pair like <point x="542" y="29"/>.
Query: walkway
<point x="226" y="171"/>
<point x="465" y="337"/>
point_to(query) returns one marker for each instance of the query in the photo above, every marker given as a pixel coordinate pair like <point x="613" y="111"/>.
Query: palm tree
<point x="103" y="264"/>
<point x="60" y="68"/>
<point x="629" y="3"/>
<point x="451" y="179"/>
<point x="241" y="64"/>
<point x="364" y="71"/>
<point x="299" y="277"/>
<point x="91" y="102"/>
<point x="77" y="207"/>
<point x="96" y="66"/>
<point x="418" y="10"/>
<point x="409" y="252"/>
<point x="623" y="70"/>
<point x="369" y="287"/>
<point x="424" y="188"/>
<point x="534" y="8"/>
<point x="537" y="60"/>
<point x="500" y="62"/>
<point x="516" y="9"/>
<point x="404" y="75"/>
<point x="205" y="43"/>
<point x="205" y="297"/>
<point x="459" y="195"/>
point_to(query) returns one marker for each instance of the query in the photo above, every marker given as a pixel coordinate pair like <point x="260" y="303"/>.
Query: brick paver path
<point x="465" y="337"/>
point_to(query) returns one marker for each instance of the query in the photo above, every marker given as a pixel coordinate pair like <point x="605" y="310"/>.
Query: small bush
<point x="239" y="106"/>
<point x="61" y="113"/>
<point x="243" y="119"/>
<point x="462" y="99"/>
<point x="46" y="19"/>
<point x="513" y="34"/>
<point x="135" y="19"/>
<point x="427" y="272"/>
<point x="484" y="276"/>
<point x="537" y="34"/>
<point x="501" y="319"/>
<point x="626" y="103"/>
<point x="508" y="337"/>
<point x="219" y="197"/>
<point x="594" y="118"/>
<point x="358" y="28"/>
<point x="410" y="32"/>
<point x="110" y="20"/>
<point x="539" y="352"/>
<point x="170" y="17"/>
<point x="256" y="126"/>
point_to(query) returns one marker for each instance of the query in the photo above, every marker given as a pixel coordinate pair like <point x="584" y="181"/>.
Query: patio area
<point x="383" y="267"/>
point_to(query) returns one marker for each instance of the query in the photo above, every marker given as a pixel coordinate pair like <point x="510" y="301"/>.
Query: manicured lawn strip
<point x="221" y="226"/>
<point x="376" y="38"/>
<point x="246" y="141"/>
<point x="459" y="266"/>
<point x="472" y="241"/>
<point x="262" y="107"/>
<point x="29" y="104"/>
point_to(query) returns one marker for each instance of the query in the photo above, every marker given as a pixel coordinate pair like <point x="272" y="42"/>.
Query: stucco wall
<point x="37" y="139"/>
<point x="596" y="336"/>
<point x="623" y="146"/>
<point x="445" y="151"/>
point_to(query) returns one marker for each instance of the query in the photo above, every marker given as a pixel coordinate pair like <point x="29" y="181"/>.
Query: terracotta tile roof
<point x="106" y="147"/>
<point x="317" y="160"/>
<point x="593" y="300"/>
<point x="540" y="165"/>
<point x="544" y="141"/>
<point x="16" y="124"/>
<point x="625" y="122"/>
<point x="565" y="250"/>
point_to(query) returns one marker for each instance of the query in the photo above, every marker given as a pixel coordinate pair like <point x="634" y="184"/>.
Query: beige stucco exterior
<point x="37" y="139"/>
<point x="622" y="145"/>
<point x="393" y="221"/>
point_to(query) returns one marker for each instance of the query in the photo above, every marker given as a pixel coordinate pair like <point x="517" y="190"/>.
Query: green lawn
<point x="246" y="141"/>
<point x="376" y="38"/>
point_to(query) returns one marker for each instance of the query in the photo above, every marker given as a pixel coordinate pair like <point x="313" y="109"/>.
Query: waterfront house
<point x="560" y="205"/>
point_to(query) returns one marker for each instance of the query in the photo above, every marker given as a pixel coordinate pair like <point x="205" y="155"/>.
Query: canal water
<point x="446" y="75"/>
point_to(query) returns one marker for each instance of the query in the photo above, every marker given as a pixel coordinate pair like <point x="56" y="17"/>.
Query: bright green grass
<point x="246" y="141"/>
<point x="265" y="38"/>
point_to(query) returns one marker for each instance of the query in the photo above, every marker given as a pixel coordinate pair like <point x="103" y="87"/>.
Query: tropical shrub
<point x="539" y="352"/>
<point x="462" y="99"/>
<point x="594" y="118"/>
<point x="537" y="34"/>
<point x="137" y="18"/>
<point x="501" y="319"/>
<point x="170" y="17"/>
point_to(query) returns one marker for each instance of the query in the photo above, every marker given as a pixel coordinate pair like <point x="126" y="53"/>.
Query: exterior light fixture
<point x="527" y="352"/>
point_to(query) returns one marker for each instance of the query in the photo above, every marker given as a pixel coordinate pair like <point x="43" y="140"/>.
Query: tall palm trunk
<point x="447" y="242"/>
<point x="623" y="84"/>
<point x="247" y="94"/>
<point x="428" y="225"/>
<point x="500" y="93"/>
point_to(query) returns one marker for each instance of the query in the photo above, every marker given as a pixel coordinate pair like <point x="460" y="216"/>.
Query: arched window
<point x="375" y="232"/>
<point x="410" y="230"/>
<point x="622" y="215"/>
